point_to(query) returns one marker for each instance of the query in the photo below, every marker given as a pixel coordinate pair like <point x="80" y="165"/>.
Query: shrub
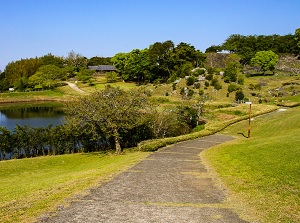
<point x="232" y="87"/>
<point x="209" y="77"/>
<point x="197" y="85"/>
<point x="174" y="86"/>
<point x="239" y="95"/>
<point x="190" y="81"/>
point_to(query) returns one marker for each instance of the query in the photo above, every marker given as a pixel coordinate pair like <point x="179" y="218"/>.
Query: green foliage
<point x="209" y="77"/>
<point x="297" y="37"/>
<point x="50" y="59"/>
<point x="84" y="75"/>
<point x="95" y="61"/>
<point x="22" y="69"/>
<point x="6" y="141"/>
<point x="161" y="61"/>
<point x="214" y="49"/>
<point x="230" y="73"/>
<point x="239" y="95"/>
<point x="240" y="79"/>
<point x="46" y="76"/>
<point x="190" y="81"/>
<point x="247" y="46"/>
<point x="190" y="93"/>
<point x="198" y="72"/>
<point x="4" y="85"/>
<point x="266" y="60"/>
<point x="183" y="70"/>
<point x="216" y="84"/>
<point x="197" y="85"/>
<point x="109" y="111"/>
<point x="111" y="77"/>
<point x="233" y="87"/>
<point x="76" y="60"/>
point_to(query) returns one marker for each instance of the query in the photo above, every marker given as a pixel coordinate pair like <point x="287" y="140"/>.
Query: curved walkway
<point x="74" y="87"/>
<point x="171" y="185"/>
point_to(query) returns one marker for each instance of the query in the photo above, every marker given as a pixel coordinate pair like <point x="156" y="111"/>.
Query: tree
<point x="46" y="76"/>
<point x="297" y="37"/>
<point x="95" y="61"/>
<point x="120" y="62"/>
<point x="110" y="111"/>
<point x="239" y="95"/>
<point x="267" y="60"/>
<point x="159" y="56"/>
<point x="5" y="141"/>
<point x="19" y="71"/>
<point x="232" y="68"/>
<point x="111" y="77"/>
<point x="216" y="84"/>
<point x="50" y="59"/>
<point x="76" y="60"/>
<point x="84" y="75"/>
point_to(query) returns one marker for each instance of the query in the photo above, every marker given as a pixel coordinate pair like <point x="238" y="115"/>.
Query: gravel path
<point x="74" y="87"/>
<point x="171" y="185"/>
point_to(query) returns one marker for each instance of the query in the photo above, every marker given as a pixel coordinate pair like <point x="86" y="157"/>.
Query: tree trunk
<point x="117" y="141"/>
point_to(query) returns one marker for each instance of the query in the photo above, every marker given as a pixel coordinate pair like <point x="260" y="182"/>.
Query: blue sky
<point x="32" y="28"/>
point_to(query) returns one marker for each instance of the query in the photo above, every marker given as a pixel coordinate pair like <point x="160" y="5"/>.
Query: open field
<point x="262" y="172"/>
<point x="32" y="186"/>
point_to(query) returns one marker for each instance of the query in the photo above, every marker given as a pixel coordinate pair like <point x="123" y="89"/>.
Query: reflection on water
<point x="32" y="116"/>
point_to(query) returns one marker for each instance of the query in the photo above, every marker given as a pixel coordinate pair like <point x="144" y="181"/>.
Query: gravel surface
<point x="171" y="185"/>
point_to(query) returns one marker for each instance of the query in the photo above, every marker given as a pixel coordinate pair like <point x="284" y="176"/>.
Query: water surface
<point x="37" y="116"/>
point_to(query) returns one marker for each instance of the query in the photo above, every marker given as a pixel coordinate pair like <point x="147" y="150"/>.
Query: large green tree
<point x="232" y="68"/>
<point x="159" y="56"/>
<point x="46" y="76"/>
<point x="76" y="60"/>
<point x="110" y="111"/>
<point x="266" y="60"/>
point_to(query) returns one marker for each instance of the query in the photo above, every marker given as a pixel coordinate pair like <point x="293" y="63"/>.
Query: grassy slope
<point x="32" y="186"/>
<point x="263" y="171"/>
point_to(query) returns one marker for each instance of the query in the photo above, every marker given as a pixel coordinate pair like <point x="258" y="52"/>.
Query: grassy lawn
<point x="263" y="172"/>
<point x="58" y="94"/>
<point x="29" y="187"/>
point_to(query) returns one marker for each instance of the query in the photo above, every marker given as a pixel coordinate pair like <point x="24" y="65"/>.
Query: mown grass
<point x="29" y="187"/>
<point x="263" y="172"/>
<point x="49" y="95"/>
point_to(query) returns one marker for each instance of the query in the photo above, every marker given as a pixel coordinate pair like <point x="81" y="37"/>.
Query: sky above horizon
<point x="31" y="28"/>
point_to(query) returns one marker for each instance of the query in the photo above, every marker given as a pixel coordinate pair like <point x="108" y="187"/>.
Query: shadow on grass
<point x="99" y="154"/>
<point x="242" y="134"/>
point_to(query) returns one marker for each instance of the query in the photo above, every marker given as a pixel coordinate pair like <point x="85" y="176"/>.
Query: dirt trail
<point x="74" y="87"/>
<point x="171" y="185"/>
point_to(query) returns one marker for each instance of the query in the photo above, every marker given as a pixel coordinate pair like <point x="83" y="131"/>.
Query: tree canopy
<point x="160" y="62"/>
<point x="247" y="46"/>
<point x="110" y="111"/>
<point x="266" y="60"/>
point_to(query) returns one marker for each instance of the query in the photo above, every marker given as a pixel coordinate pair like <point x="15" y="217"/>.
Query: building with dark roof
<point x="102" y="68"/>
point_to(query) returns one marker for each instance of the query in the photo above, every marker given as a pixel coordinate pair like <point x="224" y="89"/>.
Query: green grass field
<point x="263" y="172"/>
<point x="32" y="186"/>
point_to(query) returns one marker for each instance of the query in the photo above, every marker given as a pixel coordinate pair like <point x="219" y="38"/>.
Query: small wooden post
<point x="249" y="125"/>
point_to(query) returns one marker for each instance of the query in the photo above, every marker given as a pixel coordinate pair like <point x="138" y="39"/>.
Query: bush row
<point x="211" y="128"/>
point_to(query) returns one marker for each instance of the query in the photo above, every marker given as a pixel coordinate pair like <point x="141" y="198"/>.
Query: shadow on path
<point x="171" y="185"/>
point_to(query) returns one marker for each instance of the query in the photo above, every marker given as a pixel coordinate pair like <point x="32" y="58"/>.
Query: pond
<point x="34" y="115"/>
